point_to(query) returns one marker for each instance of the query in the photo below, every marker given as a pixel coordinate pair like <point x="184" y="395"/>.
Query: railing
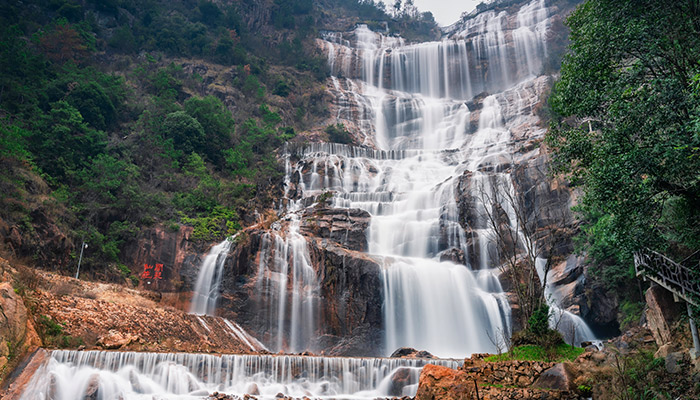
<point x="677" y="278"/>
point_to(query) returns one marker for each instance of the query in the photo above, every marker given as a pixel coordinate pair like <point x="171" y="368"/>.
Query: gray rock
<point x="674" y="361"/>
<point x="559" y="377"/>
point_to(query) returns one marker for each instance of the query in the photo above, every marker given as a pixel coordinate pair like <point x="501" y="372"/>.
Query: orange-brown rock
<point x="442" y="383"/>
<point x="23" y="374"/>
<point x="17" y="334"/>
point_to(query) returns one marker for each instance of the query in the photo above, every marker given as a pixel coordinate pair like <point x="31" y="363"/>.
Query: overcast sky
<point x="445" y="12"/>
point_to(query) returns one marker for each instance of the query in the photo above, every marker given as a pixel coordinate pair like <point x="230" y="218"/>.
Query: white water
<point x="131" y="376"/>
<point x="572" y="327"/>
<point x="207" y="288"/>
<point x="287" y="289"/>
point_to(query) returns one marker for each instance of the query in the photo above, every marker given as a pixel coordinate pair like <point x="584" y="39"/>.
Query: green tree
<point x="63" y="142"/>
<point x="628" y="129"/>
<point x="186" y="132"/>
<point x="217" y="123"/>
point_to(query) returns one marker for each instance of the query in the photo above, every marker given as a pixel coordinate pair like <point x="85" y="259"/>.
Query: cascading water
<point x="206" y="290"/>
<point x="411" y="102"/>
<point x="71" y="375"/>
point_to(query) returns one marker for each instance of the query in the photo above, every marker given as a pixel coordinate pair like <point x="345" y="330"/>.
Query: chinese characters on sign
<point x="152" y="273"/>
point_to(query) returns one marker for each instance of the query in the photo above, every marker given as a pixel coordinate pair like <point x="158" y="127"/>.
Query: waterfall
<point x="572" y="327"/>
<point x="206" y="290"/>
<point x="413" y="104"/>
<point x="71" y="374"/>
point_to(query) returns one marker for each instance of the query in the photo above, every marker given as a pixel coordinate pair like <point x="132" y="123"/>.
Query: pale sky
<point x="445" y="12"/>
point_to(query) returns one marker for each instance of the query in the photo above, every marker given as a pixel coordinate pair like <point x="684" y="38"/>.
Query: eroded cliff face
<point x="339" y="309"/>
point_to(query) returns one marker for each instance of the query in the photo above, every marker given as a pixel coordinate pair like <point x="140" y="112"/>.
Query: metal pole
<point x="82" y="247"/>
<point x="694" y="331"/>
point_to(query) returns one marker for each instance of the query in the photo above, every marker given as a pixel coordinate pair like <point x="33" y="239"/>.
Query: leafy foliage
<point x="628" y="105"/>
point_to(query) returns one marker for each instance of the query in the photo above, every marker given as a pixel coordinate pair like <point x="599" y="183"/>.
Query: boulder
<point x="559" y="377"/>
<point x="409" y="352"/>
<point x="437" y="382"/>
<point x="399" y="380"/>
<point x="92" y="392"/>
<point x="674" y="362"/>
<point x="454" y="255"/>
<point x="661" y="312"/>
<point x="253" y="389"/>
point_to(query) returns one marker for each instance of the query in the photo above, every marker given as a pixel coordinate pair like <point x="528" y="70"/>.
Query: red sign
<point x="150" y="273"/>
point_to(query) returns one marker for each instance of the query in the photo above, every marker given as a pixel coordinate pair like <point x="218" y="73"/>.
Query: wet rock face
<point x="349" y="294"/>
<point x="351" y="298"/>
<point x="347" y="227"/>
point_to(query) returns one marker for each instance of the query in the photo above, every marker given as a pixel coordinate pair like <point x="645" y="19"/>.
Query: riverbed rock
<point x="399" y="380"/>
<point x="437" y="382"/>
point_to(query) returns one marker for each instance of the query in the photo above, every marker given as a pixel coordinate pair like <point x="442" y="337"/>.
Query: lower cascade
<point x="128" y="375"/>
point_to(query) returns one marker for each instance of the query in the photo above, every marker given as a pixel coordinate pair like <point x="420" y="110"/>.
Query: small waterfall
<point x="68" y="375"/>
<point x="572" y="327"/>
<point x="206" y="290"/>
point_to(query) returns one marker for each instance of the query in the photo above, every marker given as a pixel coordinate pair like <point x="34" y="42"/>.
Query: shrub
<point x="338" y="134"/>
<point x="538" y="324"/>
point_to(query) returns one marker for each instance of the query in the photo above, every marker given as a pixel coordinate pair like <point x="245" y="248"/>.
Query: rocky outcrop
<point x="167" y="247"/>
<point x="520" y="374"/>
<point x="17" y="381"/>
<point x="17" y="334"/>
<point x="498" y="380"/>
<point x="351" y="298"/>
<point x="661" y="312"/>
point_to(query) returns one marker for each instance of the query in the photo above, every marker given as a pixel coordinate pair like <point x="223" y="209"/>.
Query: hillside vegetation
<point x="120" y="115"/>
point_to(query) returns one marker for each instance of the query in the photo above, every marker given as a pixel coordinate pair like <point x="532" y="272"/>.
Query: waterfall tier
<point x="126" y="375"/>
